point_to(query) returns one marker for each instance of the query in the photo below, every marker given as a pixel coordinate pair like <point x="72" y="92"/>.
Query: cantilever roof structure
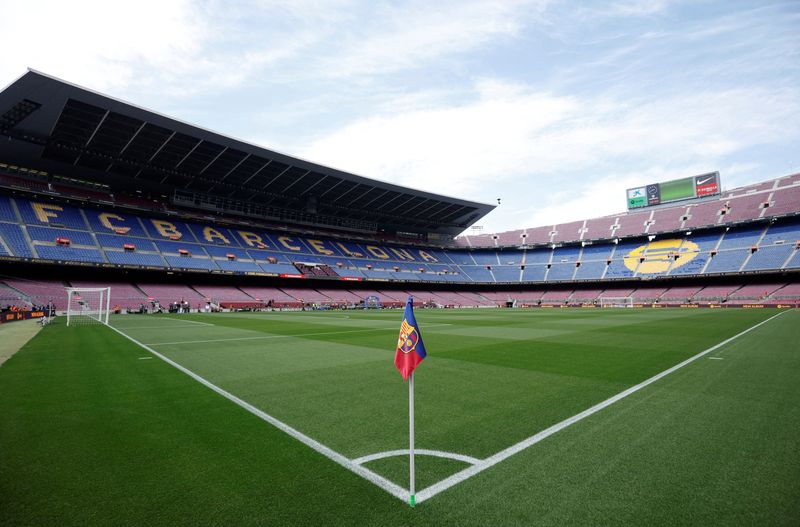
<point x="56" y="126"/>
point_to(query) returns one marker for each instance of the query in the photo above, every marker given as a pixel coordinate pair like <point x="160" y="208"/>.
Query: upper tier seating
<point x="775" y="197"/>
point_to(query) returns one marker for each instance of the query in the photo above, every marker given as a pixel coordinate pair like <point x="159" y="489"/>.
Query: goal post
<point x="88" y="305"/>
<point x="616" y="301"/>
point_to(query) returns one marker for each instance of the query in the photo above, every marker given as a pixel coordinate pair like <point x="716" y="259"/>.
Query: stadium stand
<point x="250" y="221"/>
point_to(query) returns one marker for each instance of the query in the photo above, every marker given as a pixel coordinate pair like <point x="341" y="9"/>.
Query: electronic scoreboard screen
<point x="675" y="190"/>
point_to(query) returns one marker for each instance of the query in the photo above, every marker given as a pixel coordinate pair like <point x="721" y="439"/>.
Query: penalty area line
<point x="392" y="488"/>
<point x="458" y="477"/>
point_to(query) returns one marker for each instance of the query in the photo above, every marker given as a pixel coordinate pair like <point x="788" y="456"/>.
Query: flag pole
<point x="411" y="498"/>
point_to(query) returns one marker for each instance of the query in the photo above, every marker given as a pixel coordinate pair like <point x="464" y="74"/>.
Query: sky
<point x="554" y="107"/>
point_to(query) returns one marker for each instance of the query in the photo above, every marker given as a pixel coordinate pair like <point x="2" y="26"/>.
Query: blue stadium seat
<point x="15" y="240"/>
<point x="618" y="269"/>
<point x="117" y="241"/>
<point x="477" y="273"/>
<point x="727" y="261"/>
<point x="50" y="213"/>
<point x="591" y="270"/>
<point x="737" y="238"/>
<point x="114" y="220"/>
<point x="769" y="257"/>
<point x="485" y="258"/>
<point x="238" y="266"/>
<point x="505" y="273"/>
<point x="70" y="254"/>
<point x="47" y="234"/>
<point x="788" y="233"/>
<point x="461" y="258"/>
<point x="538" y="256"/>
<point x="223" y="252"/>
<point x="279" y="268"/>
<point x="170" y="247"/>
<point x="596" y="252"/>
<point x="135" y="258"/>
<point x="534" y="273"/>
<point x="6" y="210"/>
<point x="214" y="235"/>
<point x="180" y="228"/>
<point x="795" y="261"/>
<point x="694" y="266"/>
<point x="561" y="272"/>
<point x="705" y="242"/>
<point x="566" y="254"/>
<point x="183" y="262"/>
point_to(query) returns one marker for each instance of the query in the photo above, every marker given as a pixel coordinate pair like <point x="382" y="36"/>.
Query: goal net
<point x="88" y="305"/>
<point x="616" y="301"/>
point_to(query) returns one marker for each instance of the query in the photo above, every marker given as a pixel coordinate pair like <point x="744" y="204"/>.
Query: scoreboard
<point x="675" y="190"/>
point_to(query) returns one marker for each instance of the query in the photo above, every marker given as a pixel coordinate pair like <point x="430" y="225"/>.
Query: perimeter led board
<point x="675" y="190"/>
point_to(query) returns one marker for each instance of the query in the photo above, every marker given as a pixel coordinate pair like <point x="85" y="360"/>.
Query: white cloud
<point x="410" y="35"/>
<point x="101" y="44"/>
<point x="520" y="144"/>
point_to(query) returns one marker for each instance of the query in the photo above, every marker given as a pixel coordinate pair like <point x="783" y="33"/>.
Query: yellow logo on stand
<point x="659" y="255"/>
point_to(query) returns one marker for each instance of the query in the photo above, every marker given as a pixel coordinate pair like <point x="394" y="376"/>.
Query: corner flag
<point x="410" y="349"/>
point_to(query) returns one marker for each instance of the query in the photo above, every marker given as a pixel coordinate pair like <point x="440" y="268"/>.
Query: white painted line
<point x="716" y="358"/>
<point x="145" y="358"/>
<point x="392" y="488"/>
<point x="299" y="335"/>
<point x="421" y="451"/>
<point x="188" y="321"/>
<point x="490" y="461"/>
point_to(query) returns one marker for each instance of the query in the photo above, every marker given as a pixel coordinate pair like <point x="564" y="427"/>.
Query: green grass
<point x="90" y="434"/>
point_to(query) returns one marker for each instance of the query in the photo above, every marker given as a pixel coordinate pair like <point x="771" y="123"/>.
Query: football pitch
<point x="523" y="417"/>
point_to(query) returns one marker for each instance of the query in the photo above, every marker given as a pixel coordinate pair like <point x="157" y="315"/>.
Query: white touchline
<point x="302" y="335"/>
<point x="490" y="461"/>
<point x="392" y="488"/>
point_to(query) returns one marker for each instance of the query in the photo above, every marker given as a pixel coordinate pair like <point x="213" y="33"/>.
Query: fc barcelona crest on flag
<point x="410" y="349"/>
<point x="408" y="337"/>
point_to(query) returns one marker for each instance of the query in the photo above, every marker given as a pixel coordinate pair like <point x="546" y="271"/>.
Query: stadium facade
<point x="95" y="191"/>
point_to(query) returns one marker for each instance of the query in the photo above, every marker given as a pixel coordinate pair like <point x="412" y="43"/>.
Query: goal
<point x="88" y="305"/>
<point x="616" y="301"/>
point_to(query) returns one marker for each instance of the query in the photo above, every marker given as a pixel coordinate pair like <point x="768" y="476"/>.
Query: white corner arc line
<point x="418" y="451"/>
<point x="492" y="460"/>
<point x="392" y="488"/>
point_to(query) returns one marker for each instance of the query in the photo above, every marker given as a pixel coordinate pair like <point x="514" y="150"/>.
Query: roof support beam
<point x="212" y="161"/>
<point x="285" y="189"/>
<point x="158" y="150"/>
<point x="271" y="181"/>
<point x="179" y="163"/>
<point x="229" y="172"/>
<point x="319" y="180"/>
<point x="367" y="204"/>
<point x="333" y="187"/>
<point x="91" y="136"/>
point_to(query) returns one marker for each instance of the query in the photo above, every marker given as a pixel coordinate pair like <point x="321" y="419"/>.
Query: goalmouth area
<point x="97" y="429"/>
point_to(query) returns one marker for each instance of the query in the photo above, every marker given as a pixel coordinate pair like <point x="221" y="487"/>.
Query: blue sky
<point x="555" y="107"/>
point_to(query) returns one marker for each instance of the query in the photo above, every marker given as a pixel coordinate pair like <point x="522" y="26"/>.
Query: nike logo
<point x="703" y="181"/>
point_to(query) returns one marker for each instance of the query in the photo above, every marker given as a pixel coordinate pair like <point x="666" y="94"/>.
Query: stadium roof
<point x="64" y="129"/>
